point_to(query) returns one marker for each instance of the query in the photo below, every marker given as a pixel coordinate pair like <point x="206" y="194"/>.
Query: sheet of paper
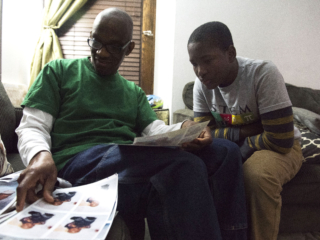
<point x="174" y="138"/>
<point x="77" y="213"/>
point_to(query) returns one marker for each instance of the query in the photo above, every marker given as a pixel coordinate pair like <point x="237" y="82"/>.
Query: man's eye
<point x="114" y="47"/>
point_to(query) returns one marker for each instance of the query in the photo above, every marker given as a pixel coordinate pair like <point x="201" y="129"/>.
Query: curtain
<point x="48" y="48"/>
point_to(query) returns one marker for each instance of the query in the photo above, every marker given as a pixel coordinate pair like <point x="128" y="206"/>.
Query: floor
<point x="300" y="236"/>
<point x="291" y="236"/>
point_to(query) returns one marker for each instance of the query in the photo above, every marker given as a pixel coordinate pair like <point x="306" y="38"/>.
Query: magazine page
<point x="174" y="138"/>
<point x="8" y="186"/>
<point x="77" y="213"/>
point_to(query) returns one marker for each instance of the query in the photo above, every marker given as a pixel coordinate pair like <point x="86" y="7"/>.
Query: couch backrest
<point x="187" y="95"/>
<point x="306" y="98"/>
<point x="7" y="120"/>
<point x="300" y="97"/>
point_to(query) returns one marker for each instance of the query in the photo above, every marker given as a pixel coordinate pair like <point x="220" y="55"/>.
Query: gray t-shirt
<point x="259" y="88"/>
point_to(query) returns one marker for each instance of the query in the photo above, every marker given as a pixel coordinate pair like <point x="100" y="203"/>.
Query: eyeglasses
<point x="113" y="49"/>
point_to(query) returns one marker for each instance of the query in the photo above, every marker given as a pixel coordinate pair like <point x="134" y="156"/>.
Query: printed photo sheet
<point x="84" y="212"/>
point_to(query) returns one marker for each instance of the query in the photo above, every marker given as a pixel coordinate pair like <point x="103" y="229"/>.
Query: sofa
<point x="301" y="196"/>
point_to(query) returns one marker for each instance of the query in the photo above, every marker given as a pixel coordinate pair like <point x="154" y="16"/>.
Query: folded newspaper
<point x="84" y="212"/>
<point x="174" y="138"/>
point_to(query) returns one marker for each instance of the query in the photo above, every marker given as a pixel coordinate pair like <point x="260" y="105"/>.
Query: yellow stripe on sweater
<point x="278" y="121"/>
<point x="256" y="142"/>
<point x="285" y="135"/>
<point x="274" y="147"/>
<point x="225" y="133"/>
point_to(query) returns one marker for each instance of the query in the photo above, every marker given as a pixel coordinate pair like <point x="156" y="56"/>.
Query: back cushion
<point x="7" y="119"/>
<point x="306" y="98"/>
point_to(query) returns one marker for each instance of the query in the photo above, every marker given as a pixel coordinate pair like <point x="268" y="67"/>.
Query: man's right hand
<point x="41" y="170"/>
<point x="250" y="130"/>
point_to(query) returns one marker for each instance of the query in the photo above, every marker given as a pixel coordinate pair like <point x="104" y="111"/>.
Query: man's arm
<point x="34" y="146"/>
<point x="274" y="132"/>
<point x="277" y="135"/>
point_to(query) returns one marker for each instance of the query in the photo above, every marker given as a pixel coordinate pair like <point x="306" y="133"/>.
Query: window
<point x="74" y="33"/>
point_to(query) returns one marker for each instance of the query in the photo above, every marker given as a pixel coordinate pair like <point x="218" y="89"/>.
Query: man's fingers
<point x="25" y="183"/>
<point x="31" y="196"/>
<point x="21" y="196"/>
<point x="48" y="189"/>
<point x="190" y="146"/>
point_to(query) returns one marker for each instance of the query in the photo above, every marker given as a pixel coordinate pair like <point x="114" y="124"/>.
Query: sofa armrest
<point x="181" y="115"/>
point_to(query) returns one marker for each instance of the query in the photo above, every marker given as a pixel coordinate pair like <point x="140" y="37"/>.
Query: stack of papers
<point x="84" y="212"/>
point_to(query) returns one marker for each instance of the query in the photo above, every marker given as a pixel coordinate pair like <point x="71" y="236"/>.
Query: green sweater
<point x="88" y="109"/>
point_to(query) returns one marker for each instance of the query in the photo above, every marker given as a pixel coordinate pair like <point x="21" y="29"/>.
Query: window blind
<point x="74" y="33"/>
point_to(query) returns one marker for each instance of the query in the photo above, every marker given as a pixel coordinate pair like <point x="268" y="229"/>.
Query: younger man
<point x="247" y="103"/>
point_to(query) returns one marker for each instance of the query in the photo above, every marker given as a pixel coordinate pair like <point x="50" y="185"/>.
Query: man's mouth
<point x="205" y="81"/>
<point x="103" y="63"/>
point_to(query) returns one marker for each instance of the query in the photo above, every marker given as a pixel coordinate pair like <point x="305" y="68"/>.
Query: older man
<point x="78" y="112"/>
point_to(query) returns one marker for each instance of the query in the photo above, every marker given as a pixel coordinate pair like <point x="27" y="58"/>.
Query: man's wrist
<point x="187" y="123"/>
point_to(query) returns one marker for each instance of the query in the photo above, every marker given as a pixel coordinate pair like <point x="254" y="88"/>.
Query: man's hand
<point x="203" y="140"/>
<point x="249" y="130"/>
<point x="41" y="169"/>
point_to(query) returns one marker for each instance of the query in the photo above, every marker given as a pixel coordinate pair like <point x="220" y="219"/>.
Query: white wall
<point x="164" y="50"/>
<point x="285" y="32"/>
<point x="21" y="21"/>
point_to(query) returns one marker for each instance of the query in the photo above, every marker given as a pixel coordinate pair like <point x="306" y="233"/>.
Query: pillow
<point x="310" y="146"/>
<point x="310" y="143"/>
<point x="310" y="119"/>
<point x="5" y="166"/>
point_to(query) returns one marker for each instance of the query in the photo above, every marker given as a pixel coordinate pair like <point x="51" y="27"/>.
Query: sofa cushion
<point x="306" y="98"/>
<point x="304" y="188"/>
<point x="15" y="160"/>
<point x="7" y="119"/>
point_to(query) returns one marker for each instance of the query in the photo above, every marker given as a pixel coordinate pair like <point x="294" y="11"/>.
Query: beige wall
<point x="285" y="32"/>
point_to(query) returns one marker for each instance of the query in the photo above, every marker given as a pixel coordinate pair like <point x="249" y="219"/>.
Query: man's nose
<point x="103" y="52"/>
<point x="202" y="71"/>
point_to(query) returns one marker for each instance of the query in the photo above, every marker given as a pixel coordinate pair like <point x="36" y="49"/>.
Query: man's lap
<point x="134" y="164"/>
<point x="282" y="167"/>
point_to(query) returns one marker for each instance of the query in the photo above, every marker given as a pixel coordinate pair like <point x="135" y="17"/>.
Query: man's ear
<point x="130" y="48"/>
<point x="232" y="53"/>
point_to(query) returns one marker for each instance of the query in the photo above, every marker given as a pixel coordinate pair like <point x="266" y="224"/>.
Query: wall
<point x="286" y="32"/>
<point x="21" y="21"/>
<point x="164" y="50"/>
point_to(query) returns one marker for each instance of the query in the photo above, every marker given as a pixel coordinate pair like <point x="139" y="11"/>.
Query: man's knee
<point x="191" y="162"/>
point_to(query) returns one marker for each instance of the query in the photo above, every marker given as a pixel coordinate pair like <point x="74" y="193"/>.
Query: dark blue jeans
<point x="170" y="187"/>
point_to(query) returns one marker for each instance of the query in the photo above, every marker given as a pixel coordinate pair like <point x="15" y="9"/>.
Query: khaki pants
<point x="265" y="172"/>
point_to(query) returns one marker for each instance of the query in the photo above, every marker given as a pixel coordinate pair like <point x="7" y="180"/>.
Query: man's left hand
<point x="197" y="144"/>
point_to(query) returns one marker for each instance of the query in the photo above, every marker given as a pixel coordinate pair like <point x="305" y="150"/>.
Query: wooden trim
<point x="148" y="46"/>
